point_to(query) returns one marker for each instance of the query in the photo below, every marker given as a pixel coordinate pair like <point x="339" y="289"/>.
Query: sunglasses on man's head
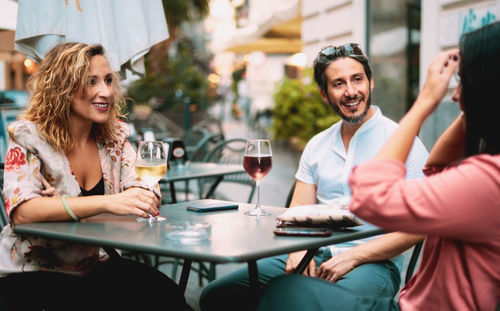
<point x="339" y="50"/>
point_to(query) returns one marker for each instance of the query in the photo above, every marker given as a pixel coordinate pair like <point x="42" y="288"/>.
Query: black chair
<point x="4" y="220"/>
<point x="230" y="152"/>
<point x="413" y="261"/>
<point x="290" y="196"/>
<point x="212" y="125"/>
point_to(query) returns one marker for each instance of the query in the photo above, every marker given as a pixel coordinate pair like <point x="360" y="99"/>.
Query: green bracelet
<point x="68" y="210"/>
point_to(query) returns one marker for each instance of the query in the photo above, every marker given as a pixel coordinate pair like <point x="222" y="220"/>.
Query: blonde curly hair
<point x="64" y="70"/>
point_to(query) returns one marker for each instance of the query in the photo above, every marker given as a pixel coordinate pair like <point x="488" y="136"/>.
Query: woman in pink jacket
<point x="457" y="206"/>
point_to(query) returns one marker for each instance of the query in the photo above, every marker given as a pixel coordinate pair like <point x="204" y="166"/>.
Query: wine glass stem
<point x="258" y="195"/>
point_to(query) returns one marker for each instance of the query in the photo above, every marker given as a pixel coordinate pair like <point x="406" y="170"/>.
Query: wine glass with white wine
<point x="257" y="162"/>
<point x="151" y="166"/>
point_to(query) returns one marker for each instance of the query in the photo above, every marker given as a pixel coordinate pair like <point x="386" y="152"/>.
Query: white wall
<point x="443" y="22"/>
<point x="262" y="78"/>
<point x="331" y="22"/>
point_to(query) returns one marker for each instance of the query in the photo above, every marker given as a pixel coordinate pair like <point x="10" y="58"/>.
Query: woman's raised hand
<point x="439" y="73"/>
<point x="133" y="201"/>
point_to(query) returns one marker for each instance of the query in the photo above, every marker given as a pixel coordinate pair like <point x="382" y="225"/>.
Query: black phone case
<point x="312" y="232"/>
<point x="211" y="206"/>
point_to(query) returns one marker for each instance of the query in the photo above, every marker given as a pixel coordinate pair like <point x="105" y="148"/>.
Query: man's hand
<point x="336" y="267"/>
<point x="293" y="261"/>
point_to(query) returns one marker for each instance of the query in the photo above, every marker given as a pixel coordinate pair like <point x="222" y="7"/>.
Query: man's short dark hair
<point x="331" y="53"/>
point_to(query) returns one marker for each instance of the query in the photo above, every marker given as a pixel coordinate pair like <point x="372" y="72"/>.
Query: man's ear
<point x="323" y="94"/>
<point x="372" y="84"/>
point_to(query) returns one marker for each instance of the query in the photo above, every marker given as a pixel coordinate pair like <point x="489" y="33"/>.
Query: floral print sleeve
<point x="21" y="176"/>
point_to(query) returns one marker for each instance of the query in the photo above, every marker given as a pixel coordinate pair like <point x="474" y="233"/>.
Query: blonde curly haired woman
<point x="68" y="158"/>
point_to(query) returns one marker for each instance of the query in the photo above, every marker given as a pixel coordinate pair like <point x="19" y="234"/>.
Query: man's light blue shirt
<point x="326" y="164"/>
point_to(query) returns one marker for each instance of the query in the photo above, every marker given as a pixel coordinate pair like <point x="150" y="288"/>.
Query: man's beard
<point x="355" y="119"/>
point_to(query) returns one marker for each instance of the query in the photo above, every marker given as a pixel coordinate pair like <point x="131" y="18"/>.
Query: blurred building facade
<point x="14" y="67"/>
<point x="400" y="38"/>
<point x="259" y="40"/>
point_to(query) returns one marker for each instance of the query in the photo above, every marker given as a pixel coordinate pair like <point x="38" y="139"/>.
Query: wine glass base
<point x="257" y="212"/>
<point x="151" y="219"/>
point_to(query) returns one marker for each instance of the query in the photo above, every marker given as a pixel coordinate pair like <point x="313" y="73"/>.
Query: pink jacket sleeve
<point x="462" y="202"/>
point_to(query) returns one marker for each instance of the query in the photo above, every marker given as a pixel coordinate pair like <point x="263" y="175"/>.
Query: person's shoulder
<point x="325" y="134"/>
<point x="388" y="123"/>
<point x="484" y="159"/>
<point x="23" y="131"/>
<point x="321" y="139"/>
<point x="21" y="125"/>
<point x="122" y="130"/>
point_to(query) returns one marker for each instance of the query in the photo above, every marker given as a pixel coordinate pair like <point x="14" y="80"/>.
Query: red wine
<point x="257" y="167"/>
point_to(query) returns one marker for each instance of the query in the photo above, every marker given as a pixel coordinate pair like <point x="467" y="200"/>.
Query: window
<point x="394" y="44"/>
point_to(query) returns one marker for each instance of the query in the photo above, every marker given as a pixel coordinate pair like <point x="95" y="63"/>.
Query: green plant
<point x="182" y="81"/>
<point x="299" y="111"/>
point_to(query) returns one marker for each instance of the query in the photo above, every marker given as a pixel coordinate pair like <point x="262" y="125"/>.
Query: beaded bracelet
<point x="68" y="210"/>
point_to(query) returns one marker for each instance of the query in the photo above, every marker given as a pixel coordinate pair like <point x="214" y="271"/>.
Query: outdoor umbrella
<point x="125" y="28"/>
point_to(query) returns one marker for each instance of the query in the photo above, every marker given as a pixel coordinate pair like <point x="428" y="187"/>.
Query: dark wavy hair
<point x="331" y="53"/>
<point x="479" y="72"/>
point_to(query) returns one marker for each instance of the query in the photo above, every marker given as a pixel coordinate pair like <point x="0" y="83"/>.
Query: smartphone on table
<point x="211" y="206"/>
<point x="302" y="231"/>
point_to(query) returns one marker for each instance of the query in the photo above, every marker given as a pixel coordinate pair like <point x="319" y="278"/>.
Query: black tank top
<point x="97" y="190"/>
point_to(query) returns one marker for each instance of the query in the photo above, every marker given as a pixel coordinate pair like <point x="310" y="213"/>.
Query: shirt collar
<point x="337" y="143"/>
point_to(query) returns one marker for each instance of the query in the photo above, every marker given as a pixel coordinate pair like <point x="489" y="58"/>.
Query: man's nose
<point x="350" y="91"/>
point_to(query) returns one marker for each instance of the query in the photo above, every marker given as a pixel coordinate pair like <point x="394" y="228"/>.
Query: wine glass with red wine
<point x="257" y="162"/>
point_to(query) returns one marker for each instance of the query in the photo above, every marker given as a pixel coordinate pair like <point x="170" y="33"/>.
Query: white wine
<point x="151" y="174"/>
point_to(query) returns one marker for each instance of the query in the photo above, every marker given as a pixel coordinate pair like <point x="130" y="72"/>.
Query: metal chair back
<point x="4" y="220"/>
<point x="231" y="152"/>
<point x="413" y="261"/>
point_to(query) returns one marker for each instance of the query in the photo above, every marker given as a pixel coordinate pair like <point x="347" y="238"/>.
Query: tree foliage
<point x="179" y="11"/>
<point x="182" y="81"/>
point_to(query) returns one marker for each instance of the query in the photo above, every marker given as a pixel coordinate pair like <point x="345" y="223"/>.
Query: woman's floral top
<point x="29" y="157"/>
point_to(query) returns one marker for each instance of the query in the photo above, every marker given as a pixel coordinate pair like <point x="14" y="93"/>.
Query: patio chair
<point x="413" y="261"/>
<point x="212" y="125"/>
<point x="230" y="152"/>
<point x="4" y="220"/>
<point x="197" y="143"/>
<point x="290" y="196"/>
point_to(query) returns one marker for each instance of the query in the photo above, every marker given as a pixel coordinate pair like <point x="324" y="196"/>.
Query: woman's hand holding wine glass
<point x="257" y="162"/>
<point x="151" y="166"/>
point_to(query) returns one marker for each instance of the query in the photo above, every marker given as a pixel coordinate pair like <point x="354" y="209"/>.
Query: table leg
<point x="212" y="188"/>
<point x="186" y="268"/>
<point x="305" y="261"/>
<point x="172" y="192"/>
<point x="111" y="252"/>
<point x="253" y="275"/>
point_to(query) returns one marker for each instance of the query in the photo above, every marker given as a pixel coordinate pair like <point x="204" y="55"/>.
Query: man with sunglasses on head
<point x="370" y="266"/>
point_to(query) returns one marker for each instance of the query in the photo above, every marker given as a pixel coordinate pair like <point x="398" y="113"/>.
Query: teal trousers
<point x="300" y="293"/>
<point x="233" y="292"/>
